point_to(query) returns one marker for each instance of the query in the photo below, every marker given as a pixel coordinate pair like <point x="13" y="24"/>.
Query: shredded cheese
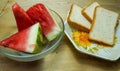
<point x="81" y="38"/>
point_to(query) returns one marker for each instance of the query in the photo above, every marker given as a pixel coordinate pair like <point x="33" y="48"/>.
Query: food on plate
<point x="88" y="11"/>
<point x="39" y="13"/>
<point x="81" y="38"/>
<point x="76" y="19"/>
<point x="104" y="26"/>
<point x="99" y="24"/>
<point x="28" y="40"/>
<point x="23" y="21"/>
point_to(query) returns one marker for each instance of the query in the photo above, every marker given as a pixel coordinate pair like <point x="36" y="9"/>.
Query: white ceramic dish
<point x="107" y="53"/>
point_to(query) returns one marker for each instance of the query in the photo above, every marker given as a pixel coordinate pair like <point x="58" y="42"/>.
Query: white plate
<point x="107" y="53"/>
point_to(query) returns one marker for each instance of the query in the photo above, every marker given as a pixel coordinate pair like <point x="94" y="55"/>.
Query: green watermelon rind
<point x="39" y="41"/>
<point x="52" y="35"/>
<point x="56" y="28"/>
<point x="35" y="38"/>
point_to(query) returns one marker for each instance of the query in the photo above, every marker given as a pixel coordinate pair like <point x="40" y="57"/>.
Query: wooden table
<point x="65" y="57"/>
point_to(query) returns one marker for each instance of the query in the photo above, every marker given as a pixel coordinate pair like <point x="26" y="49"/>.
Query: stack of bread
<point x="99" y="22"/>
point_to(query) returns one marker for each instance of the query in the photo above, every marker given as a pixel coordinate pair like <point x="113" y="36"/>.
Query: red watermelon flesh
<point x="22" y="19"/>
<point x="39" y="13"/>
<point x="28" y="40"/>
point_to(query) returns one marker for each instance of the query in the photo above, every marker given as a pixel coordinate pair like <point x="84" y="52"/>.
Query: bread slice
<point x="104" y="24"/>
<point x="76" y="19"/>
<point x="88" y="12"/>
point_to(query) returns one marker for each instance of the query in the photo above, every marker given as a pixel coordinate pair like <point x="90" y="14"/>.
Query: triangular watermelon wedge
<point x="39" y="13"/>
<point x="28" y="40"/>
<point x="22" y="19"/>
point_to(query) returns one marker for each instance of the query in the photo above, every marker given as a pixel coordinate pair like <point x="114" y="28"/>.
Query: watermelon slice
<point x="22" y="19"/>
<point x="39" y="13"/>
<point x="28" y="40"/>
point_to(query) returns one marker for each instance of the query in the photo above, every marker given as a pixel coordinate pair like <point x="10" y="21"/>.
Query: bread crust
<point x="74" y="24"/>
<point x="98" y="41"/>
<point x="85" y="14"/>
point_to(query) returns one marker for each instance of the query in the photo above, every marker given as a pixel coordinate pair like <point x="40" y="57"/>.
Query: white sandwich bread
<point x="88" y="11"/>
<point x="77" y="20"/>
<point x="104" y="26"/>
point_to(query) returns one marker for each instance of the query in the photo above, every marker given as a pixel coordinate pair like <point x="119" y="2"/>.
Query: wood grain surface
<point x="65" y="57"/>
